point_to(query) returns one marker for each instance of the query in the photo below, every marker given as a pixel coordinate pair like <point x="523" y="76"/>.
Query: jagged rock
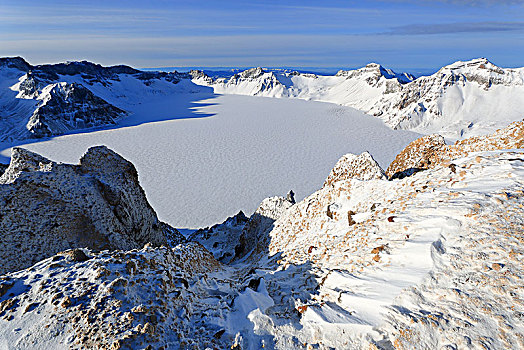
<point x="67" y="107"/>
<point x="350" y="166"/>
<point x="76" y="255"/>
<point x="418" y="155"/>
<point x="68" y="96"/>
<point x="430" y="151"/>
<point x="291" y="196"/>
<point x="374" y="72"/>
<point x="254" y="237"/>
<point x="103" y="310"/>
<point x="49" y="207"/>
<point x="221" y="239"/>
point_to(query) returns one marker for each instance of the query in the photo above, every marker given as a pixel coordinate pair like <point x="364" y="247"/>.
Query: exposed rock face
<point x="221" y="239"/>
<point x="239" y="236"/>
<point x="421" y="102"/>
<point x="255" y="235"/>
<point x="49" y="207"/>
<point x="418" y="155"/>
<point x="430" y="151"/>
<point x="67" y="107"/>
<point x="350" y="166"/>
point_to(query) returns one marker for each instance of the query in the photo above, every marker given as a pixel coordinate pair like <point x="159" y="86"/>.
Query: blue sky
<point x="400" y="34"/>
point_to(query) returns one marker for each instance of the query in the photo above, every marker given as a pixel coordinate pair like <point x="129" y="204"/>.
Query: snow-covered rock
<point x="431" y="260"/>
<point x="430" y="151"/>
<point x="254" y="237"/>
<point x="221" y="239"/>
<point x="112" y="300"/>
<point x="240" y="236"/>
<point x="373" y="72"/>
<point x="49" y="207"/>
<point x="462" y="99"/>
<point x="350" y="166"/>
<point x="410" y="263"/>
<point x="66" y="107"/>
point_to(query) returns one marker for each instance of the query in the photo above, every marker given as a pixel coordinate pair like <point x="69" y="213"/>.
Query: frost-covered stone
<point x="350" y="166"/>
<point x="221" y="239"/>
<point x="49" y="207"/>
<point x="431" y="150"/>
<point x="100" y="302"/>
<point x="254" y="237"/>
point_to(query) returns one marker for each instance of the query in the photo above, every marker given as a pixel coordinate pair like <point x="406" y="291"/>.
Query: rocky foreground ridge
<point x="424" y="259"/>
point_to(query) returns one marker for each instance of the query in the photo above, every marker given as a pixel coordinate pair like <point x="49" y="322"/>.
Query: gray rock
<point x="49" y="207"/>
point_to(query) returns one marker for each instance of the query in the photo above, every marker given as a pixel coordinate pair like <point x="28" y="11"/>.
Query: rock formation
<point x="49" y="207"/>
<point x="430" y="151"/>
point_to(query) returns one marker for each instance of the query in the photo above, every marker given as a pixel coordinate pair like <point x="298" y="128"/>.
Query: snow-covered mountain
<point x="462" y="99"/>
<point x="430" y="259"/>
<point x="47" y="100"/>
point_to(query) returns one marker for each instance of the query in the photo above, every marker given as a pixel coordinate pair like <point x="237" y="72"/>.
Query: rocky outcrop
<point x="115" y="300"/>
<point x="48" y="207"/>
<point x="221" y="239"/>
<point x="66" y="107"/>
<point x="350" y="166"/>
<point x="418" y="155"/>
<point x="255" y="234"/>
<point x="430" y="151"/>
<point x="373" y="72"/>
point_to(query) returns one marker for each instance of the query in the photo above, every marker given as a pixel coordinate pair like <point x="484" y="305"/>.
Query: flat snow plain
<point x="202" y="157"/>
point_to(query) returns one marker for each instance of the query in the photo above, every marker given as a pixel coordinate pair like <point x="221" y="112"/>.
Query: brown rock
<point x="497" y="266"/>
<point x="378" y="249"/>
<point x="350" y="218"/>
<point x="76" y="255"/>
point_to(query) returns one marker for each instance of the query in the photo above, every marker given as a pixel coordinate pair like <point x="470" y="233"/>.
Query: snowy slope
<point x="463" y="99"/>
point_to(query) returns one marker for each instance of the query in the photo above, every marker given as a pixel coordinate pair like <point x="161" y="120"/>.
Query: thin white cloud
<point x="449" y="28"/>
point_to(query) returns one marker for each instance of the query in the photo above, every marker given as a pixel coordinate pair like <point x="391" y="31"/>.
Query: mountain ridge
<point x="457" y="101"/>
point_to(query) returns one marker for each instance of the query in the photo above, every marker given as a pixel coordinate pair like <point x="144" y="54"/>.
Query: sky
<point x="408" y="35"/>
